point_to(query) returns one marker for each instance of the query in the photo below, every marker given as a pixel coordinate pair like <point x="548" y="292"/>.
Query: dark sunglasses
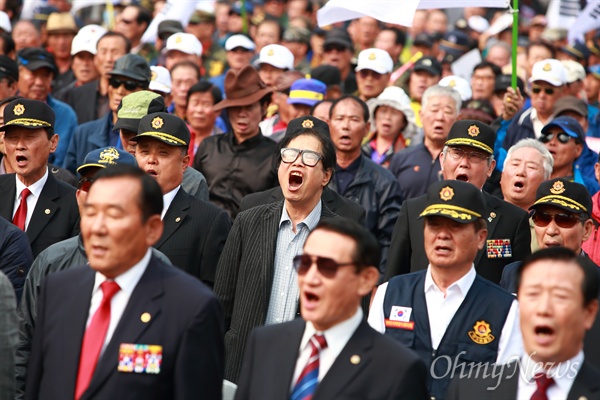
<point x="542" y="219"/>
<point x="326" y="266"/>
<point x="561" y="136"/>
<point x="538" y="89"/>
<point x="129" y="85"/>
<point x="85" y="184"/>
<point x="333" y="47"/>
<point x="365" y="73"/>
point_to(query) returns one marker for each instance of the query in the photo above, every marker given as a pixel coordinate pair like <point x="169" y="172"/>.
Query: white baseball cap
<point x="549" y="70"/>
<point x="239" y="41"/>
<point x="5" y="22"/>
<point x="87" y="39"/>
<point x="376" y="60"/>
<point x="277" y="56"/>
<point x="478" y="23"/>
<point x="160" y="79"/>
<point x="459" y="84"/>
<point x="575" y="71"/>
<point x="184" y="42"/>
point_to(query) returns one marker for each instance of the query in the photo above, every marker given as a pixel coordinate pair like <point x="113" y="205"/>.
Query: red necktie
<point x="21" y="214"/>
<point x="309" y="378"/>
<point x="94" y="338"/>
<point x="543" y="382"/>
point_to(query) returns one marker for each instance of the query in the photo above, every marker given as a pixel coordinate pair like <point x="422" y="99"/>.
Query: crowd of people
<point x="254" y="206"/>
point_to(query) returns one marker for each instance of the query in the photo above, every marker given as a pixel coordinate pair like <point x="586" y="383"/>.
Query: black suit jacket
<point x="186" y="320"/>
<point x="504" y="221"/>
<point x="84" y="100"/>
<point x="194" y="235"/>
<point x="505" y="384"/>
<point x="336" y="203"/>
<point x="56" y="214"/>
<point x="386" y="369"/>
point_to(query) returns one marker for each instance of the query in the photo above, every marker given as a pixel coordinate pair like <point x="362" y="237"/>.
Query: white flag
<point x="180" y="10"/>
<point x="400" y="12"/>
<point x="588" y="20"/>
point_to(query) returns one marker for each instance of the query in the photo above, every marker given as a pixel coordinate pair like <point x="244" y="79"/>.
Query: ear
<point x="185" y="161"/>
<point x="154" y="229"/>
<point x="588" y="228"/>
<point x="326" y="177"/>
<point x="590" y="313"/>
<point x="578" y="149"/>
<point x="481" y="237"/>
<point x="367" y="129"/>
<point x="368" y="280"/>
<point x="53" y="143"/>
<point x="491" y="168"/>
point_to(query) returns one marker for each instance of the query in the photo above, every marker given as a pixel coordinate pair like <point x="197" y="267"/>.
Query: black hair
<point x="144" y="15"/>
<point x="486" y="64"/>
<point x="8" y="44"/>
<point x="110" y="34"/>
<point x="400" y="35"/>
<point x="270" y="20"/>
<point x="204" y="87"/>
<point x="366" y="248"/>
<point x="590" y="285"/>
<point x="327" y="147"/>
<point x="362" y="104"/>
<point x="150" y="198"/>
<point x="541" y="43"/>
<point x="187" y="63"/>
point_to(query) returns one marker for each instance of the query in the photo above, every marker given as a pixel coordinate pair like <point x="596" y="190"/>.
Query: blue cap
<point x="577" y="50"/>
<point x="236" y="8"/>
<point x="307" y="91"/>
<point x="595" y="70"/>
<point x="569" y="125"/>
<point x="105" y="156"/>
<point x="455" y="43"/>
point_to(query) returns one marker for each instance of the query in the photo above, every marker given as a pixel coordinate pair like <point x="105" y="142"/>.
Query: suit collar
<point x="175" y="216"/>
<point x="491" y="217"/>
<point x="45" y="209"/>
<point x="287" y="351"/>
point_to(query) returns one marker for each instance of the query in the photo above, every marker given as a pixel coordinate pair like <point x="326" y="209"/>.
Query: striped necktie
<point x="309" y="378"/>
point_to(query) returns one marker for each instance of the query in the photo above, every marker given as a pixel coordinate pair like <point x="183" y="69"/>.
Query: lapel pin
<point x="582" y="398"/>
<point x="177" y="219"/>
<point x="47" y="211"/>
<point x="355" y="359"/>
<point x="492" y="216"/>
<point x="146" y="317"/>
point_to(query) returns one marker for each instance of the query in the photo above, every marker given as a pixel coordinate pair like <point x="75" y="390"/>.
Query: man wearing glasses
<point x="130" y="74"/>
<point x="255" y="280"/>
<point x="548" y="78"/>
<point x="331" y="352"/>
<point x="561" y="217"/>
<point x="467" y="156"/>
<point x="373" y="72"/>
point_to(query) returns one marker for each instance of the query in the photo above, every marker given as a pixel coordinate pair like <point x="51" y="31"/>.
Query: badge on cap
<point x="140" y="358"/>
<point x="19" y="109"/>
<point x="498" y="248"/>
<point x="547" y="67"/>
<point x="447" y="193"/>
<point x="427" y="62"/>
<point x="153" y="76"/>
<point x="481" y="333"/>
<point x="158" y="123"/>
<point x="557" y="188"/>
<point x="399" y="313"/>
<point x="178" y="39"/>
<point x="452" y="83"/>
<point x="270" y="52"/>
<point x="473" y="130"/>
<point x="372" y="56"/>
<point x="108" y="156"/>
<point x="307" y="123"/>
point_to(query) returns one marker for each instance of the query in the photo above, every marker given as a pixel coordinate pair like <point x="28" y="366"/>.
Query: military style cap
<point x="105" y="156"/>
<point x="429" y="65"/>
<point x="460" y="201"/>
<point x="562" y="193"/>
<point x="469" y="132"/>
<point x="135" y="106"/>
<point x="165" y="127"/>
<point x="30" y="114"/>
<point x="308" y="123"/>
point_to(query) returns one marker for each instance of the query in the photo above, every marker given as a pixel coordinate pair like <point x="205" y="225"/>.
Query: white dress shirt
<point x="336" y="337"/>
<point x="441" y="310"/>
<point x="167" y="200"/>
<point x="127" y="282"/>
<point x="564" y="375"/>
<point x="36" y="191"/>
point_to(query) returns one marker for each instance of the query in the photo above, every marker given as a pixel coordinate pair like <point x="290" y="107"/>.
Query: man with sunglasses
<point x="373" y="72"/>
<point x="449" y="313"/>
<point x="255" y="280"/>
<point x="561" y="217"/>
<point x="565" y="140"/>
<point x="130" y="74"/>
<point x="337" y="268"/>
<point x="548" y="78"/>
<point x="338" y="51"/>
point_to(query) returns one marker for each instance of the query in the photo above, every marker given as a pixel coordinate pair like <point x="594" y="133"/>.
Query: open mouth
<point x="544" y="334"/>
<point x="519" y="185"/>
<point x="21" y="160"/>
<point x="442" y="249"/>
<point x="309" y="300"/>
<point x="462" y="177"/>
<point x="295" y="180"/>
<point x="152" y="173"/>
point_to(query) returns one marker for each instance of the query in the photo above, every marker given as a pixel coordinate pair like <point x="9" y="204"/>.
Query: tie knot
<point x="318" y="342"/>
<point x="109" y="289"/>
<point x="543" y="381"/>
<point x="25" y="193"/>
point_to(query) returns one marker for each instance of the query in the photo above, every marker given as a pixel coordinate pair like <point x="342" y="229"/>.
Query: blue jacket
<point x="87" y="137"/>
<point x="64" y="125"/>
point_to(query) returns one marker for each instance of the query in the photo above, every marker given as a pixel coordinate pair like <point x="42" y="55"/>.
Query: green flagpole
<point x="515" y="42"/>
<point x="244" y="18"/>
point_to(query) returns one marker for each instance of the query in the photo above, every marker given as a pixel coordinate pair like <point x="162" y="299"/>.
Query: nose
<point x="97" y="225"/>
<point x="552" y="229"/>
<point x="543" y="304"/>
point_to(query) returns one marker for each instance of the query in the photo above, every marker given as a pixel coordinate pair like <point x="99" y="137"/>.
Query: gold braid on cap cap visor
<point x="562" y="201"/>
<point x="455" y="46"/>
<point x="451" y="211"/>
<point x="166" y="137"/>
<point x="469" y="142"/>
<point x="306" y="94"/>
<point x="575" y="51"/>
<point x="28" y="122"/>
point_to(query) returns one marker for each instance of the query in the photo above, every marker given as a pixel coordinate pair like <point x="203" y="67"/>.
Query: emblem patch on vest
<point x="481" y="333"/>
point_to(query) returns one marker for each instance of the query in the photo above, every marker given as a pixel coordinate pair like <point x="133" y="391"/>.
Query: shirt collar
<point x="36" y="188"/>
<point x="310" y="221"/>
<point x="352" y="168"/>
<point x="128" y="279"/>
<point x="168" y="199"/>
<point x="563" y="373"/>
<point x="463" y="284"/>
<point x="337" y="335"/>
